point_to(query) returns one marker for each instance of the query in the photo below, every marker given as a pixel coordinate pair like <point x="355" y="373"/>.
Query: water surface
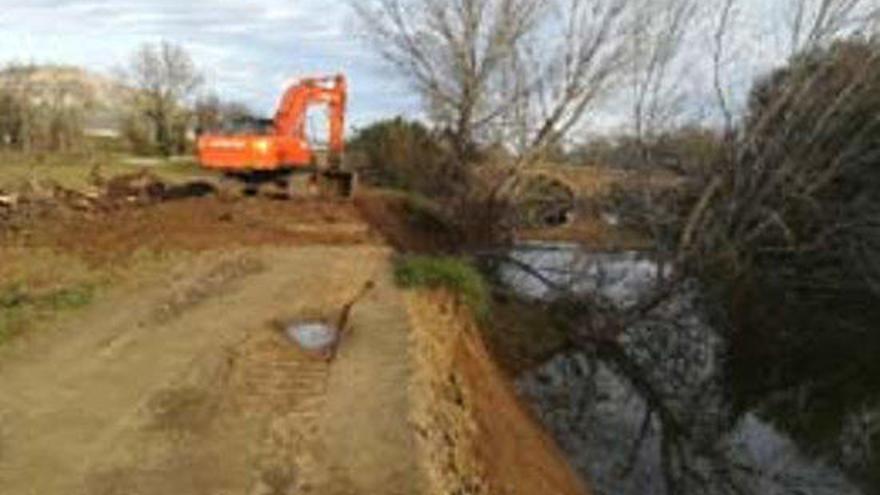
<point x="657" y="412"/>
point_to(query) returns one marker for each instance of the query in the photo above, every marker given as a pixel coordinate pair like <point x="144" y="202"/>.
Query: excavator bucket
<point x="328" y="184"/>
<point x="342" y="184"/>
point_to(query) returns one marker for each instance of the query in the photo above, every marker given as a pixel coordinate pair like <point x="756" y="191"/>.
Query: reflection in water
<point x="649" y="410"/>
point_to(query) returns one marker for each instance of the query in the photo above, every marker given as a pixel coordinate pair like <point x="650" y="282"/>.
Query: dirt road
<point x="173" y="376"/>
<point x="182" y="385"/>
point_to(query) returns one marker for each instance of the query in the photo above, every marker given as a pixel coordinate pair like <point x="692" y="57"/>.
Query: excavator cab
<point x="278" y="150"/>
<point x="247" y="126"/>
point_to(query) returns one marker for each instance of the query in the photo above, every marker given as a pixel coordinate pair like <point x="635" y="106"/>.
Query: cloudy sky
<point x="248" y="49"/>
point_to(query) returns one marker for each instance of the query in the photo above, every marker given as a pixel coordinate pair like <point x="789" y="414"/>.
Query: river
<point x="655" y="413"/>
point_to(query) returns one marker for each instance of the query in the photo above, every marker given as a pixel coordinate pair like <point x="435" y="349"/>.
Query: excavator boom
<point x="290" y="120"/>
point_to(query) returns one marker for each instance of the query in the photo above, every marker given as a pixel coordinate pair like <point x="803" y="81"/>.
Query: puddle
<point x="313" y="336"/>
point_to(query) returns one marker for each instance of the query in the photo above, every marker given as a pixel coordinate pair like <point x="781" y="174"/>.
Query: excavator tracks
<point x="273" y="376"/>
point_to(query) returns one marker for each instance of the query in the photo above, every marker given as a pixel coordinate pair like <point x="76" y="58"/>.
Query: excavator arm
<point x="290" y="119"/>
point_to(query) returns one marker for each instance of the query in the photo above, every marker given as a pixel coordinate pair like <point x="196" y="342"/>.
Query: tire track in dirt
<point x="198" y="393"/>
<point x="212" y="284"/>
<point x="288" y="391"/>
<point x="188" y="295"/>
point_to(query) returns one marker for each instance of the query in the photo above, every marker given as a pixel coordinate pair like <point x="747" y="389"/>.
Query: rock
<point x="8" y="201"/>
<point x="141" y="187"/>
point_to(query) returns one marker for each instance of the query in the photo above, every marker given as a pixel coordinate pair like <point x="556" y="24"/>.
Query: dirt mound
<point x="206" y="223"/>
<point x="36" y="196"/>
<point x="42" y="197"/>
<point x="405" y="224"/>
<point x="141" y="187"/>
<point x="138" y="211"/>
<point x="145" y="188"/>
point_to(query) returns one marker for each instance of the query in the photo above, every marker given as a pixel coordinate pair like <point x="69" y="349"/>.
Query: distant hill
<point x="101" y="97"/>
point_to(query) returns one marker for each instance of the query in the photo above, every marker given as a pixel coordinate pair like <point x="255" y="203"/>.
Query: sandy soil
<point x="177" y="379"/>
<point x="475" y="436"/>
<point x="186" y="387"/>
<point x="192" y="224"/>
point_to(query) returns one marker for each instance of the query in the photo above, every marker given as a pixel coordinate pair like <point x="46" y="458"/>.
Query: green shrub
<point x="69" y="298"/>
<point x="12" y="297"/>
<point x="454" y="274"/>
<point x="401" y="154"/>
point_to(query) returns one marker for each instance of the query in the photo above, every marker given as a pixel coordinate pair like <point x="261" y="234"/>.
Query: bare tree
<point x="521" y="75"/>
<point x="165" y="77"/>
<point x="785" y="219"/>
<point x="813" y="26"/>
<point x="453" y="52"/>
<point x="211" y="112"/>
<point x="43" y="108"/>
<point x="658" y="38"/>
<point x="524" y="72"/>
<point x="16" y="113"/>
<point x="811" y="23"/>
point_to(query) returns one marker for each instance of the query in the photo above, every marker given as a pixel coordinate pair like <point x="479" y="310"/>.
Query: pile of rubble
<point x="141" y="188"/>
<point x="38" y="198"/>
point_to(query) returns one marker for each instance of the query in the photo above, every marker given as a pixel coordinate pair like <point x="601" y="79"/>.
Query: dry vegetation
<point x="39" y="284"/>
<point x="79" y="171"/>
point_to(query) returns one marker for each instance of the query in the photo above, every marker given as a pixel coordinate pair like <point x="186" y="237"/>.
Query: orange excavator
<point x="278" y="151"/>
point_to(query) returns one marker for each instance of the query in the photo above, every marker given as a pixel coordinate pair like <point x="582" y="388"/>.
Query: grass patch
<point x="453" y="274"/>
<point x="19" y="306"/>
<point x="37" y="283"/>
<point x="68" y="298"/>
